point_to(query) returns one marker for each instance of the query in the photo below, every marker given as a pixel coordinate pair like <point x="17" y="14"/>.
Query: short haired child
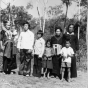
<point x="67" y="53"/>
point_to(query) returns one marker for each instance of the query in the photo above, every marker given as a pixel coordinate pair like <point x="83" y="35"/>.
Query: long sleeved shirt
<point x="26" y="40"/>
<point x="39" y="47"/>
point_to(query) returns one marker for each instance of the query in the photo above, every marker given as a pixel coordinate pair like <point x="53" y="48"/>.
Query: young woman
<point x="74" y="44"/>
<point x="56" y="43"/>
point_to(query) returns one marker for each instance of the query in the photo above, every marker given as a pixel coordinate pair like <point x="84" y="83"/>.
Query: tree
<point x="84" y="3"/>
<point x="29" y="6"/>
<point x="18" y="16"/>
<point x="67" y="3"/>
<point x="42" y="27"/>
<point x="54" y="11"/>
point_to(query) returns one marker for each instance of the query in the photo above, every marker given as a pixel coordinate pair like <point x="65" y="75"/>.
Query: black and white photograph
<point x="43" y="44"/>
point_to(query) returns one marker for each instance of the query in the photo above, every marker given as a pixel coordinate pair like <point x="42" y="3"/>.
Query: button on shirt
<point x="39" y="47"/>
<point x="26" y="40"/>
<point x="67" y="51"/>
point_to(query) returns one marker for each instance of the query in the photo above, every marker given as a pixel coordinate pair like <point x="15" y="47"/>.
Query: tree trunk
<point x="39" y="18"/>
<point x="65" y="17"/>
<point x="44" y="20"/>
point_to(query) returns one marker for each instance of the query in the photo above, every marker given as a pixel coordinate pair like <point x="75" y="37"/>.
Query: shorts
<point x="65" y="64"/>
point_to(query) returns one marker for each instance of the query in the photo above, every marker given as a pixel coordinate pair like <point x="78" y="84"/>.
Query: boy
<point x="39" y="48"/>
<point x="67" y="54"/>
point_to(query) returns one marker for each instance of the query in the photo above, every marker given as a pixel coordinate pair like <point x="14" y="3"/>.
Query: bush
<point x="82" y="55"/>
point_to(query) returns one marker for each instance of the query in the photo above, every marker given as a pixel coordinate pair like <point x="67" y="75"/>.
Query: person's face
<point x="67" y="44"/>
<point x="58" y="32"/>
<point x="7" y="26"/>
<point x="25" y="27"/>
<point x="48" y="44"/>
<point x="39" y="35"/>
<point x="13" y="28"/>
<point x="71" y="28"/>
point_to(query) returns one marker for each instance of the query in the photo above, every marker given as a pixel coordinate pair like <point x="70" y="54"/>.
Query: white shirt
<point x="26" y="40"/>
<point x="67" y="51"/>
<point x="39" y="47"/>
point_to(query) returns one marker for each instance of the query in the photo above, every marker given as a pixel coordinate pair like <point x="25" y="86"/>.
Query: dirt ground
<point x="18" y="81"/>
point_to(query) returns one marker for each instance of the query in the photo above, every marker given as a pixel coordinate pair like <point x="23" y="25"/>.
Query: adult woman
<point x="56" y="43"/>
<point x="74" y="44"/>
<point x="9" y="63"/>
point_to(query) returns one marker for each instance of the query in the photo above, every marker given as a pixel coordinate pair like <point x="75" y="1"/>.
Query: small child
<point x="67" y="54"/>
<point x="47" y="60"/>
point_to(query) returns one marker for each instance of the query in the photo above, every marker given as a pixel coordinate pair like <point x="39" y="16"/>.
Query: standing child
<point x="67" y="54"/>
<point x="47" y="60"/>
<point x="39" y="48"/>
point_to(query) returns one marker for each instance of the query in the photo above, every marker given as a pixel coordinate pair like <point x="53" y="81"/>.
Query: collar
<point x="70" y="33"/>
<point x="40" y="38"/>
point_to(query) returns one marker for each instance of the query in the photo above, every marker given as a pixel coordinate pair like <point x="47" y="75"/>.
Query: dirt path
<point x="17" y="81"/>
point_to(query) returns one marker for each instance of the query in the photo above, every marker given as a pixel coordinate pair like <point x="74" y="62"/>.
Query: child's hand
<point x="45" y="58"/>
<point x="68" y="55"/>
<point x="64" y="57"/>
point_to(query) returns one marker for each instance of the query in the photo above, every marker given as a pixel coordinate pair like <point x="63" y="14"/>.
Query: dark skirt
<point x="9" y="64"/>
<point x="47" y="64"/>
<point x="9" y="59"/>
<point x="37" y="66"/>
<point x="73" y="68"/>
<point x="56" y="60"/>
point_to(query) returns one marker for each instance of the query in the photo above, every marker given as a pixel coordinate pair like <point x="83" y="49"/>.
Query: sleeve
<point x="76" y="43"/>
<point x="43" y="48"/>
<point x="32" y="41"/>
<point x="72" y="51"/>
<point x="33" y="47"/>
<point x="51" y="43"/>
<point x="61" y="51"/>
<point x="19" y="41"/>
<point x="63" y="40"/>
<point x="52" y="51"/>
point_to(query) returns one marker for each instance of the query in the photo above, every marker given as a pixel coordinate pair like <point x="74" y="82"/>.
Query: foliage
<point x="19" y="14"/>
<point x="84" y="3"/>
<point x="54" y="11"/>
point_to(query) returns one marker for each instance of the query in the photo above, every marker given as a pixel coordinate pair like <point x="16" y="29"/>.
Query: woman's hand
<point x="29" y="51"/>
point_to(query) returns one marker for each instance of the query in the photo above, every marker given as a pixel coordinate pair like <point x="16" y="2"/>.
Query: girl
<point x="47" y="60"/>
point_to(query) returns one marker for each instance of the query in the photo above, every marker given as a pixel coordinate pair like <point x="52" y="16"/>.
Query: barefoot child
<point x="47" y="60"/>
<point x="67" y="54"/>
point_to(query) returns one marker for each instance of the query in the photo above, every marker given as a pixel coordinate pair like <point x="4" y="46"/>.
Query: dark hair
<point x="40" y="32"/>
<point x="69" y="26"/>
<point x="58" y="27"/>
<point x="67" y="40"/>
<point x="26" y="23"/>
<point x="48" y="41"/>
